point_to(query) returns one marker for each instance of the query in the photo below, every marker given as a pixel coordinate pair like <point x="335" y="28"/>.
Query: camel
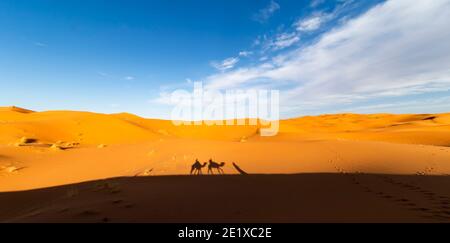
<point x="196" y="168"/>
<point x="213" y="165"/>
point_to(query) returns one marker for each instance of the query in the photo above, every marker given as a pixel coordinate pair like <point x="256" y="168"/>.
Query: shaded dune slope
<point x="254" y="199"/>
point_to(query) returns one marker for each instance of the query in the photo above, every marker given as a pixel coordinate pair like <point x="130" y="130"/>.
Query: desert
<point x="71" y="166"/>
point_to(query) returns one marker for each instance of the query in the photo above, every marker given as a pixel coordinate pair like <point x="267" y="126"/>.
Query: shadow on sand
<point x="236" y="198"/>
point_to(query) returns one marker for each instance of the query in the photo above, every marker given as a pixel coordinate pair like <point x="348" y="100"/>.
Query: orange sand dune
<point x="42" y="149"/>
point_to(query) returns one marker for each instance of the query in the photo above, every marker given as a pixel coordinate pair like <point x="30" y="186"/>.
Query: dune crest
<point x="124" y="128"/>
<point x="15" y="109"/>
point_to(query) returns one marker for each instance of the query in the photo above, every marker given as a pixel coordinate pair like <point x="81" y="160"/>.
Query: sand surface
<point x="237" y="199"/>
<point x="39" y="150"/>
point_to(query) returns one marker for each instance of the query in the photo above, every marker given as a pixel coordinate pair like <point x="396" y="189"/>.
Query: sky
<point x="324" y="56"/>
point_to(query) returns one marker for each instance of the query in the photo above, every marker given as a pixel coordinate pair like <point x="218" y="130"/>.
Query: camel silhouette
<point x="196" y="168"/>
<point x="213" y="165"/>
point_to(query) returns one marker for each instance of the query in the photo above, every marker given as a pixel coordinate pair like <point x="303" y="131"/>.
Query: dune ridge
<point x="124" y="128"/>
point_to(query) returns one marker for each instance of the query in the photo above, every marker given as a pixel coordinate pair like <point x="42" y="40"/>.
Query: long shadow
<point x="229" y="198"/>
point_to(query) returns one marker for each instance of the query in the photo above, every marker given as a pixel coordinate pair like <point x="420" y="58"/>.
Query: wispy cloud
<point x="395" y="49"/>
<point x="319" y="18"/>
<point x="284" y="40"/>
<point x="264" y="14"/>
<point x="129" y="78"/>
<point x="316" y="3"/>
<point x="245" y="53"/>
<point x="305" y="25"/>
<point x="278" y="42"/>
<point x="430" y="105"/>
<point x="226" y="64"/>
<point x="311" y="23"/>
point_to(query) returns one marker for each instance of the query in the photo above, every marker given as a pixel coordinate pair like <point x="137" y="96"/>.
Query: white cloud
<point x="316" y="3"/>
<point x="395" y="49"/>
<point x="311" y="23"/>
<point x="318" y="19"/>
<point x="264" y="14"/>
<point x="226" y="64"/>
<point x="245" y="53"/>
<point x="280" y="41"/>
<point x="285" y="40"/>
<point x="129" y="78"/>
<point x="430" y="105"/>
<point x="301" y="26"/>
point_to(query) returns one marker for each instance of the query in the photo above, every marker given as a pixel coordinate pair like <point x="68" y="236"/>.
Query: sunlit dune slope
<point x="93" y="128"/>
<point x="82" y="127"/>
<point x="42" y="149"/>
<point x="167" y="129"/>
<point x="429" y="129"/>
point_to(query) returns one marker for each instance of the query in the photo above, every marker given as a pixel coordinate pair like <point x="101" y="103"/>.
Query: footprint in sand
<point x="64" y="210"/>
<point x="71" y="193"/>
<point x="89" y="213"/>
<point x="151" y="153"/>
<point x="11" y="169"/>
<point x="402" y="200"/>
<point x="421" y="209"/>
<point x="107" y="186"/>
<point x="117" y="201"/>
<point x="410" y="204"/>
<point x="129" y="205"/>
<point x="436" y="212"/>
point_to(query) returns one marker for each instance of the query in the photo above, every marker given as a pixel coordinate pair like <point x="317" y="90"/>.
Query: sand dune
<point x="56" y="166"/>
<point x="62" y="147"/>
<point x="93" y="128"/>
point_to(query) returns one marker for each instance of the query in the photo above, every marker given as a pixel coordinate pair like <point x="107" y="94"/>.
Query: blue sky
<point x="325" y="56"/>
